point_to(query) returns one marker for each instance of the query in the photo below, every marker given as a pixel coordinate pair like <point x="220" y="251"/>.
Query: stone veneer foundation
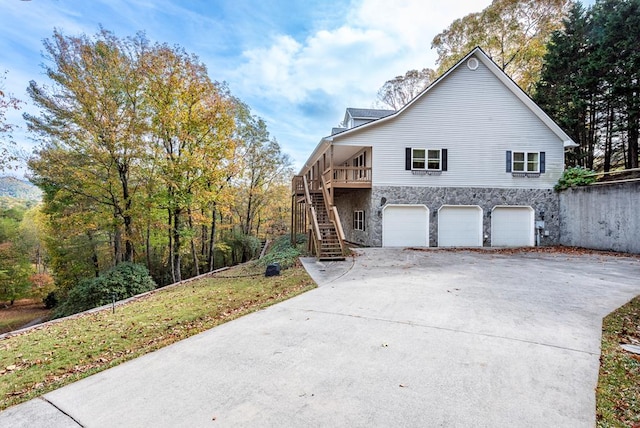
<point x="372" y="202"/>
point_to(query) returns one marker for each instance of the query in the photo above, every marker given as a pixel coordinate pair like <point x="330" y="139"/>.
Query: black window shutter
<point x="508" y="160"/>
<point x="445" y="156"/>
<point x="407" y="159"/>
<point x="363" y="222"/>
<point x="542" y="162"/>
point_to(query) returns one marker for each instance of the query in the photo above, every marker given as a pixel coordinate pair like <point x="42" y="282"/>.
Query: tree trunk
<point x="633" y="121"/>
<point x="608" y="148"/>
<point x="212" y="239"/>
<point x="170" y="222"/>
<point x="194" y="251"/>
<point x="94" y="255"/>
<point x="147" y="244"/>
<point x="591" y="135"/>
<point x="247" y="224"/>
<point x="123" y="173"/>
<point x="176" y="246"/>
<point x="117" y="246"/>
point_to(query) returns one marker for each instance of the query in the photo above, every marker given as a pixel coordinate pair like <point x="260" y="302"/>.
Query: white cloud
<point x="347" y="64"/>
<point x="378" y="41"/>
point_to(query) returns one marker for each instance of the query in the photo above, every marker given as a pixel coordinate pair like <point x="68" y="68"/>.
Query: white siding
<point x="475" y="117"/>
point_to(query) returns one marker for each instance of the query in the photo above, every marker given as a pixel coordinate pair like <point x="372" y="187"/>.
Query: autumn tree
<point x="92" y="126"/>
<point x="15" y="268"/>
<point x="144" y="157"/>
<point x="7" y="103"/>
<point x="264" y="166"/>
<point x="191" y="128"/>
<point x="513" y="33"/>
<point x="398" y="91"/>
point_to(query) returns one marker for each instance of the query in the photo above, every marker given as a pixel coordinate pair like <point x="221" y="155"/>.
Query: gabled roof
<point x="493" y="67"/>
<point x="367" y="113"/>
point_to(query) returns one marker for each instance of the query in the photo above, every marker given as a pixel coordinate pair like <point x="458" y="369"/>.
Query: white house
<point x="470" y="162"/>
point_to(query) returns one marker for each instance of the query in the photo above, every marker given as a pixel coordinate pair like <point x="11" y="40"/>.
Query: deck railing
<point x="348" y="176"/>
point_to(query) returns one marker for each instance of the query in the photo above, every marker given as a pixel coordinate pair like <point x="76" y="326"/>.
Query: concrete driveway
<point x="391" y="338"/>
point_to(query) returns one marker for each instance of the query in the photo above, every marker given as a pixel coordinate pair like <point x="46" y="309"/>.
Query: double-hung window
<point x="426" y="159"/>
<point x="526" y="163"/>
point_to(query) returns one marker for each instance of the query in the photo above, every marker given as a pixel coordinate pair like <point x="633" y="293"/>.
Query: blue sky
<point x="297" y="64"/>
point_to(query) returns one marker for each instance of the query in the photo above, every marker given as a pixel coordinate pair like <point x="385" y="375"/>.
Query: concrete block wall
<point x="603" y="217"/>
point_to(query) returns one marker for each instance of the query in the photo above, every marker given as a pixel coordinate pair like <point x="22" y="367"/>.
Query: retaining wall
<point x="602" y="217"/>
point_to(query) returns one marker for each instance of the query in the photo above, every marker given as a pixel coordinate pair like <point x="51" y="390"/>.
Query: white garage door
<point x="460" y="226"/>
<point x="512" y="226"/>
<point x="405" y="226"/>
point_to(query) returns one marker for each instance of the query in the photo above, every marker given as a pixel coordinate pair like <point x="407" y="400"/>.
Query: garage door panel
<point x="405" y="226"/>
<point x="460" y="226"/>
<point x="512" y="227"/>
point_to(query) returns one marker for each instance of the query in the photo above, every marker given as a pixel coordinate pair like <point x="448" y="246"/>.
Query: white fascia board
<point x="315" y="155"/>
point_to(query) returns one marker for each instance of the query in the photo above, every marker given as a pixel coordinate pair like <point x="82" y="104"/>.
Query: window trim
<point x="525" y="162"/>
<point x="542" y="164"/>
<point x="426" y="159"/>
<point x="358" y="220"/>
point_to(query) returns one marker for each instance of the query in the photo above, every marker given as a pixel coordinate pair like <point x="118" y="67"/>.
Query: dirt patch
<point x="620" y="175"/>
<point x="21" y="313"/>
<point x="558" y="249"/>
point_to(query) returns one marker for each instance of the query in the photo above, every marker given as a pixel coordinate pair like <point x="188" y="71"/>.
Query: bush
<point x="282" y="252"/>
<point x="123" y="281"/>
<point x="576" y="176"/>
<point x="51" y="301"/>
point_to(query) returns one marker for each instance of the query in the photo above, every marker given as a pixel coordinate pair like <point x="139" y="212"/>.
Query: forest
<point x="143" y="159"/>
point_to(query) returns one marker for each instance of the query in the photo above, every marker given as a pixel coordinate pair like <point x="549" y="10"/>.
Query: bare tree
<point x="398" y="91"/>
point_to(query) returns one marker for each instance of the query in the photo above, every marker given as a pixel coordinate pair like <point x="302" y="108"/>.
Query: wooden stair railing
<point x="328" y="241"/>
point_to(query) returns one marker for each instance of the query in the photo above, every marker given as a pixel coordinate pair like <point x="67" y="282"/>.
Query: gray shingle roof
<point x="368" y="113"/>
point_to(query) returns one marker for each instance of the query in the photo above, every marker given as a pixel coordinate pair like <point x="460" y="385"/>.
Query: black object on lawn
<point x="272" y="270"/>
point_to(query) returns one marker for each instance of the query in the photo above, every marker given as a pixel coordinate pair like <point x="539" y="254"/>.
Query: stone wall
<point x="349" y="201"/>
<point x="435" y="197"/>
<point x="603" y="216"/>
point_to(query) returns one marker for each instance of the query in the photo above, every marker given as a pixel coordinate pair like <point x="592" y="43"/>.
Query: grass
<point x="53" y="355"/>
<point x="618" y="391"/>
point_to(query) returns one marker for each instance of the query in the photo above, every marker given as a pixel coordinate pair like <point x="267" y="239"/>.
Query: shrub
<point x="576" y="176"/>
<point x="123" y="281"/>
<point x="282" y="252"/>
<point x="51" y="301"/>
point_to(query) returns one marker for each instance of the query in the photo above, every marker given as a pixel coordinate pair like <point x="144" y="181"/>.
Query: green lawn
<point x="618" y="392"/>
<point x="51" y="356"/>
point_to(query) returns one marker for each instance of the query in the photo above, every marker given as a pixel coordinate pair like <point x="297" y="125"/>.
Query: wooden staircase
<point x="329" y="242"/>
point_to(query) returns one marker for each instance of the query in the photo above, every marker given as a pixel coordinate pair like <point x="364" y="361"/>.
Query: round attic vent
<point x="472" y="63"/>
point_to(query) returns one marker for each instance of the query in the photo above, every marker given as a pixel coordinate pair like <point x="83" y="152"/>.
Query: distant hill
<point x="15" y="188"/>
